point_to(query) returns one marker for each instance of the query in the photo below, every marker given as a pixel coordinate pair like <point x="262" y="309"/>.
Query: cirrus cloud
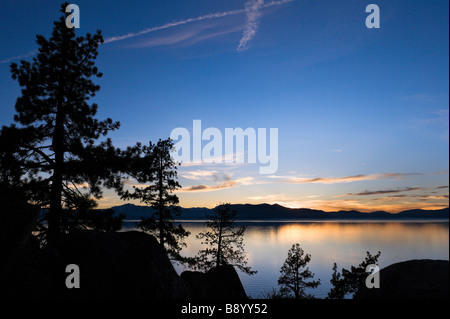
<point x="352" y="178"/>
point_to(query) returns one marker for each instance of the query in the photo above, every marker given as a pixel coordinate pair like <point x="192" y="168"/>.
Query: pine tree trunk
<point x="219" y="245"/>
<point x="161" y="204"/>
<point x="54" y="219"/>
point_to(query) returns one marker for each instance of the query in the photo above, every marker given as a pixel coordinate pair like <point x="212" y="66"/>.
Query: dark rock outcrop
<point x="412" y="279"/>
<point x="16" y="223"/>
<point x="112" y="265"/>
<point x="196" y="284"/>
<point x="218" y="283"/>
<point x="28" y="276"/>
<point x="128" y="264"/>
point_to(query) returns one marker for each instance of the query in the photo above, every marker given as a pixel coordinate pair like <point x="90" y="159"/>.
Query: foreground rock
<point x="413" y="279"/>
<point x="16" y="223"/>
<point x="128" y="264"/>
<point x="112" y="265"/>
<point x="218" y="283"/>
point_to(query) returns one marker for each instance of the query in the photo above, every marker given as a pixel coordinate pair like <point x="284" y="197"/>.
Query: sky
<point x="362" y="113"/>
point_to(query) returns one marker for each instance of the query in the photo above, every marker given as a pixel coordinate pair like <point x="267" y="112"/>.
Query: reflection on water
<point x="345" y="243"/>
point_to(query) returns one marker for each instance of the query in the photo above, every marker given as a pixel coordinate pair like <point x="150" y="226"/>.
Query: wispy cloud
<point x="222" y="180"/>
<point x="252" y="10"/>
<point x="437" y="117"/>
<point x="208" y="188"/>
<point x="222" y="185"/>
<point x="400" y="190"/>
<point x="253" y="16"/>
<point x="18" y="57"/>
<point x="189" y="35"/>
<point x="386" y="191"/>
<point x="346" y="179"/>
<point x="199" y="174"/>
<point x="349" y="179"/>
<point x="174" y="24"/>
<point x="418" y="197"/>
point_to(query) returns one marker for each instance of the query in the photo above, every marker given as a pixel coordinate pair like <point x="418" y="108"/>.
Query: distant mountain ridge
<point x="267" y="212"/>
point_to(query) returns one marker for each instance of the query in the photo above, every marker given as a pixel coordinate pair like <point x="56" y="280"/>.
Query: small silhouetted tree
<point x="156" y="171"/>
<point x="349" y="281"/>
<point x="55" y="114"/>
<point x="295" y="275"/>
<point x="225" y="241"/>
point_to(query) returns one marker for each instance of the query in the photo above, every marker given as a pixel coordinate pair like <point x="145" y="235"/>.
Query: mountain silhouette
<point x="267" y="212"/>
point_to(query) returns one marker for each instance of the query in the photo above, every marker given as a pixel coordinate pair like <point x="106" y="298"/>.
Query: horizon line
<point x="291" y="208"/>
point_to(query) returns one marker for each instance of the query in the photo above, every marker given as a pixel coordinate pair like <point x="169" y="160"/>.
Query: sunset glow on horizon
<point x="361" y="115"/>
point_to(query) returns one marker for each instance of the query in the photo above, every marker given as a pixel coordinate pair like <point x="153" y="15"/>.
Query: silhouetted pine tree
<point x="53" y="110"/>
<point x="226" y="242"/>
<point x="349" y="281"/>
<point x="295" y="274"/>
<point x="157" y="172"/>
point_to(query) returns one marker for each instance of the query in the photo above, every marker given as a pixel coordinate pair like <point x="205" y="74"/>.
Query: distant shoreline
<point x="277" y="213"/>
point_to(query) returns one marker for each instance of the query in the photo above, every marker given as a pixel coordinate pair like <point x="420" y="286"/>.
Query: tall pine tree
<point x="54" y="109"/>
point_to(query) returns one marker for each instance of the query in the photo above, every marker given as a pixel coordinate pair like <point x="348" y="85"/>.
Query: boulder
<point x="196" y="284"/>
<point x="28" y="277"/>
<point x="17" y="219"/>
<point x="218" y="283"/>
<point x="412" y="279"/>
<point x="125" y="264"/>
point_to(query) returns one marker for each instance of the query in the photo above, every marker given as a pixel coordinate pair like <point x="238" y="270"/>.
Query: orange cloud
<point x="348" y="179"/>
<point x="353" y="178"/>
<point x="223" y="185"/>
<point x="199" y="174"/>
<point x="386" y="191"/>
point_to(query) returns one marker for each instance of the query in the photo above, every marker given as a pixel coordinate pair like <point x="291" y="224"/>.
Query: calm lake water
<point x="343" y="242"/>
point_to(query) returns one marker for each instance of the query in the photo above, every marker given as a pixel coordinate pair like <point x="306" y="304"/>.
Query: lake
<point x="343" y="242"/>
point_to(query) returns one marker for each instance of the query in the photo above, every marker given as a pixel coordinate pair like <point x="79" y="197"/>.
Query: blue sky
<point x="362" y="114"/>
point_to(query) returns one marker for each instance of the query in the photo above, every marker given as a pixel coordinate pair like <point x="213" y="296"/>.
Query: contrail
<point x="252" y="16"/>
<point x="174" y="24"/>
<point x="17" y="57"/>
<point x="253" y="10"/>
